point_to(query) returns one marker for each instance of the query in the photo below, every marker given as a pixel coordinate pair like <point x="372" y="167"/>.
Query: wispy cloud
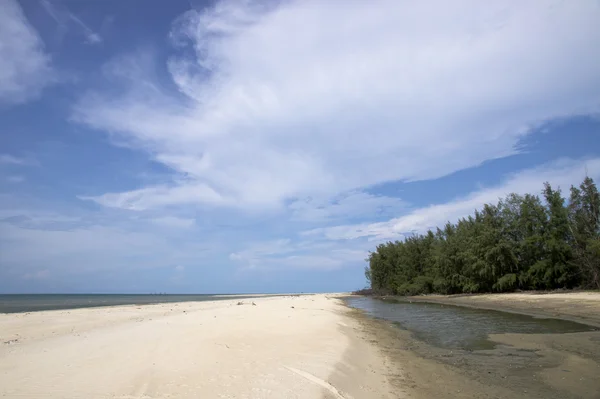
<point x="24" y="65"/>
<point x="71" y="245"/>
<point x="173" y="221"/>
<point x="285" y="254"/>
<point x="563" y="174"/>
<point x="157" y="197"/>
<point x="350" y="205"/>
<point x="8" y="159"/>
<point x="277" y="111"/>
<point x="15" y="179"/>
<point x="261" y="249"/>
<point x="348" y="245"/>
<point x="38" y="275"/>
<point x="65" y="18"/>
<point x="91" y="36"/>
<point x="70" y="240"/>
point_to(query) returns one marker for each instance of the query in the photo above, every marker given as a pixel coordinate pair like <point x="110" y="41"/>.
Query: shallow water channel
<point x="458" y="327"/>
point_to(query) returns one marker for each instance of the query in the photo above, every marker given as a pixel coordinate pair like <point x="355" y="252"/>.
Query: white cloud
<point x="38" y="275"/>
<point x="173" y="221"/>
<point x="36" y="220"/>
<point x="69" y="240"/>
<point x="158" y="196"/>
<point x="12" y="160"/>
<point x="91" y="37"/>
<point x="24" y="65"/>
<point x="254" y="251"/>
<point x="561" y="174"/>
<point x="284" y="254"/>
<point x="303" y="255"/>
<point x="70" y="246"/>
<point x="96" y="242"/>
<point x="277" y="109"/>
<point x="330" y="261"/>
<point x="15" y="179"/>
<point x="353" y="204"/>
<point x="64" y="18"/>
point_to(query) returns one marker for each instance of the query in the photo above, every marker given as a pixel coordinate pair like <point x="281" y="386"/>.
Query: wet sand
<point x="521" y="365"/>
<point x="285" y="347"/>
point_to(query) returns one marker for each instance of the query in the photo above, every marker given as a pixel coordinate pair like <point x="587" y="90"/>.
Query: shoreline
<point x="577" y="306"/>
<point x="292" y="346"/>
<point x="310" y="346"/>
<point x="116" y="300"/>
<point x="564" y="365"/>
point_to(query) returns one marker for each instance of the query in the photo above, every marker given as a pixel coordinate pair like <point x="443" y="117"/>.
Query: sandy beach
<point x="281" y="347"/>
<point x="310" y="346"/>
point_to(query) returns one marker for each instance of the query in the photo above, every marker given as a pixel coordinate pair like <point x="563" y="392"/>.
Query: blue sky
<point x="241" y="146"/>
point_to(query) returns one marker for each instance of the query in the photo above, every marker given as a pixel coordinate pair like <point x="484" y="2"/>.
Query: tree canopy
<point x="520" y="243"/>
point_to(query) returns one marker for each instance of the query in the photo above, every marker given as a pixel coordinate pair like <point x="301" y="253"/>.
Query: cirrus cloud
<point x="24" y="65"/>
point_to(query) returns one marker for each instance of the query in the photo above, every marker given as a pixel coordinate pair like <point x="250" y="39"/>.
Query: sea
<point x="19" y="303"/>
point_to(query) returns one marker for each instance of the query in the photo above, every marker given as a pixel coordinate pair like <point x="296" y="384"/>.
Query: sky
<point x="268" y="146"/>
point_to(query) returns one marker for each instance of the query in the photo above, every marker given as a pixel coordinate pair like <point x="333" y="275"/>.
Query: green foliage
<point x="420" y="285"/>
<point x="584" y="223"/>
<point x="519" y="243"/>
<point x="507" y="282"/>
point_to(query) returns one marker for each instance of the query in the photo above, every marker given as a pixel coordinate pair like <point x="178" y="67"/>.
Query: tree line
<point x="521" y="243"/>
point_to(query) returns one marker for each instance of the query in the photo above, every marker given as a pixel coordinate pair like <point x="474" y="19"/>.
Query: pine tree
<point x="519" y="243"/>
<point x="584" y="217"/>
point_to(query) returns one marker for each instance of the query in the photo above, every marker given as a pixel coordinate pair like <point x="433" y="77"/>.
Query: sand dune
<point x="284" y="347"/>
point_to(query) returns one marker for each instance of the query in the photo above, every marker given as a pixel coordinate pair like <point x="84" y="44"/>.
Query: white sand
<point x="192" y="350"/>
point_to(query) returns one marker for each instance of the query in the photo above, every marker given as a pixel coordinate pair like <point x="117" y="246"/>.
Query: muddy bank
<point x="582" y="307"/>
<point x="520" y="366"/>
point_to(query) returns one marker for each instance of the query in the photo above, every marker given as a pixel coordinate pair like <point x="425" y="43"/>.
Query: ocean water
<point x="30" y="303"/>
